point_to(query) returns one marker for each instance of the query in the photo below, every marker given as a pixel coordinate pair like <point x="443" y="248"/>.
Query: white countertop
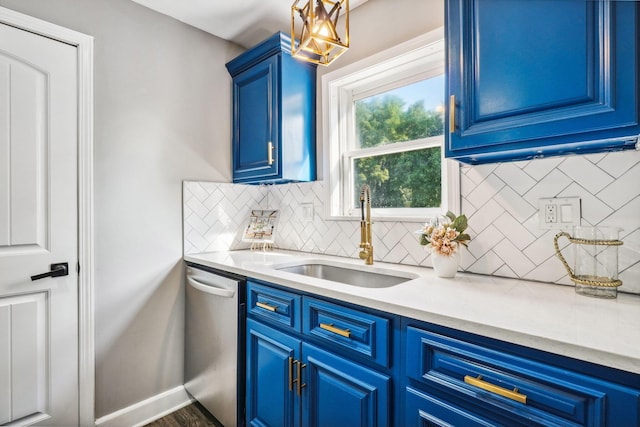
<point x="548" y="317"/>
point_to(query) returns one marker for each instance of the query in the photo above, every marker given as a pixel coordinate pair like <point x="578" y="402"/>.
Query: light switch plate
<point x="559" y="213"/>
<point x="307" y="211"/>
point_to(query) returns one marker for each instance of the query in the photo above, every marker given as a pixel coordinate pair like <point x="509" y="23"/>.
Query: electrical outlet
<point x="559" y="213"/>
<point x="550" y="215"/>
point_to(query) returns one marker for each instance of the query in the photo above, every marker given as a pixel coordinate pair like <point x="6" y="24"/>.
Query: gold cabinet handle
<point x="329" y="327"/>
<point x="452" y="114"/>
<point x="270" y="153"/>
<point x="291" y="380"/>
<point x="266" y="306"/>
<point x="299" y="379"/>
<point x="509" y="394"/>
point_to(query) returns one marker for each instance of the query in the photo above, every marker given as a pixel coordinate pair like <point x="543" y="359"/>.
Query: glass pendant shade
<point x="319" y="30"/>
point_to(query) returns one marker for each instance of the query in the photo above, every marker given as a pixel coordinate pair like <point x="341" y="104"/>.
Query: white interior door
<point x="38" y="227"/>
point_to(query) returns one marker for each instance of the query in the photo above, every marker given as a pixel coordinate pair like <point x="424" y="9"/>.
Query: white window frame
<point x="414" y="60"/>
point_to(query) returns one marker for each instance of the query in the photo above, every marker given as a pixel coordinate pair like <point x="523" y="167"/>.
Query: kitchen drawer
<point x="422" y="409"/>
<point x="504" y="384"/>
<point x="274" y="306"/>
<point x="365" y="334"/>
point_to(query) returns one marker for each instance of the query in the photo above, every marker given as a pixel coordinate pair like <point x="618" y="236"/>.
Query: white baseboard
<point x="148" y="410"/>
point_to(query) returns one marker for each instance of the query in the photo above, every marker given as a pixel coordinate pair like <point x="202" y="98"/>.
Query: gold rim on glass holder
<point x="604" y="282"/>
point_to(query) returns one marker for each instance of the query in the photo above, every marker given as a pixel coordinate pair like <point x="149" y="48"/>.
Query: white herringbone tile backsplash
<point x="215" y="215"/>
<point x="500" y="201"/>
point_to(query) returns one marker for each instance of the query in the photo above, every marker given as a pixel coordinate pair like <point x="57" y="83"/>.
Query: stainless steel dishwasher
<point x="214" y="342"/>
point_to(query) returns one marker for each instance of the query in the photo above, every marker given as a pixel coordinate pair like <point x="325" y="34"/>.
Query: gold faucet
<point x="366" y="242"/>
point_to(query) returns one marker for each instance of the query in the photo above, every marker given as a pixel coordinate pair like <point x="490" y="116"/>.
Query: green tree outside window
<point x="408" y="179"/>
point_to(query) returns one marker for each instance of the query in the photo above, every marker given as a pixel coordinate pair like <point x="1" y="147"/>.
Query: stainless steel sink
<point x="348" y="275"/>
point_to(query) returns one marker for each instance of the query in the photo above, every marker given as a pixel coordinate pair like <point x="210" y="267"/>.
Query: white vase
<point x="445" y="266"/>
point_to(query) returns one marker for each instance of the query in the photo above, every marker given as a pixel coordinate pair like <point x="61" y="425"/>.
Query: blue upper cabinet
<point x="529" y="79"/>
<point x="274" y="99"/>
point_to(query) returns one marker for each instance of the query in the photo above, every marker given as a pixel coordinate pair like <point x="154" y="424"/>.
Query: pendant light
<point x="322" y="31"/>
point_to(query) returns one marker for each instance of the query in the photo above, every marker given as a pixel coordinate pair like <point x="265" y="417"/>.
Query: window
<point x="384" y="126"/>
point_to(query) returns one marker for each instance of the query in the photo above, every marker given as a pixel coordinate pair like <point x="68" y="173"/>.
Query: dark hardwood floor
<point x="194" y="415"/>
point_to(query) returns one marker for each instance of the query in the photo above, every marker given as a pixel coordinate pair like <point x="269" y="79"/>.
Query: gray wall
<point x="162" y="114"/>
<point x="378" y="25"/>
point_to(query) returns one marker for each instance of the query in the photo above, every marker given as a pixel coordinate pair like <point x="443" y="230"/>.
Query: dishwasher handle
<point x="211" y="289"/>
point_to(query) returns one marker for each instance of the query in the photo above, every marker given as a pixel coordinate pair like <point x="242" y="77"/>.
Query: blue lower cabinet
<point x="340" y="392"/>
<point x="316" y="362"/>
<point x="290" y="382"/>
<point x="336" y="371"/>
<point x="449" y="379"/>
<point x="271" y="401"/>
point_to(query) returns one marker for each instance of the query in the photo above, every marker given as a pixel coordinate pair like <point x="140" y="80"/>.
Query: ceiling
<point x="244" y="22"/>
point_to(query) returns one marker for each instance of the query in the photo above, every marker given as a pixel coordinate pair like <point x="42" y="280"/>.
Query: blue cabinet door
<point x="536" y="78"/>
<point x="255" y="133"/>
<point x="274" y="100"/>
<point x="339" y="392"/>
<point x="271" y="401"/>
